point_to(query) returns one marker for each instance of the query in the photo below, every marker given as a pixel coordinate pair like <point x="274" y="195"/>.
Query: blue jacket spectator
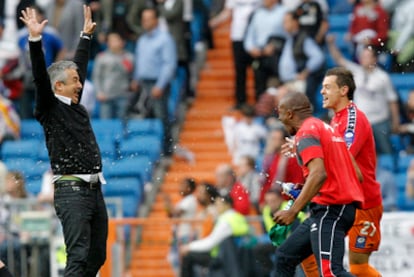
<point x="155" y="66"/>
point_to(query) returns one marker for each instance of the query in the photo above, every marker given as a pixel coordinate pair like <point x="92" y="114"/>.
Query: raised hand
<point x="88" y="25"/>
<point x="29" y="18"/>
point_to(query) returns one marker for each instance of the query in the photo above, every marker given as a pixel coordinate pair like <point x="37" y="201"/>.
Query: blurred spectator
<point x="47" y="188"/>
<point x="89" y="97"/>
<point x="54" y="50"/>
<point x="374" y="94"/>
<point x="264" y="250"/>
<point x="67" y="17"/>
<point x="8" y="14"/>
<point x="312" y="20"/>
<point x="409" y="186"/>
<point x="369" y="26"/>
<point x="276" y="166"/>
<point x="388" y="189"/>
<point x="206" y="196"/>
<point x="11" y="69"/>
<point x="155" y="65"/>
<point x="227" y="184"/>
<point x="14" y="189"/>
<point x="133" y="15"/>
<point x="239" y="12"/>
<point x="245" y="136"/>
<point x="9" y="120"/>
<point x="201" y="252"/>
<point x="15" y="186"/>
<point x="401" y="36"/>
<point x="247" y="175"/>
<point x="185" y="209"/>
<point x="175" y="12"/>
<point x="111" y="75"/>
<point x="292" y="5"/>
<point x="21" y="5"/>
<point x="407" y="128"/>
<point x="264" y="40"/>
<point x="3" y="174"/>
<point x="301" y="63"/>
<point x="4" y="271"/>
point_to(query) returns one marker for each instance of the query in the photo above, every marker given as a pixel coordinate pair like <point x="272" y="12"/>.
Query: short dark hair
<point x="191" y="183"/>
<point x="248" y="110"/>
<point x="212" y="191"/>
<point x="38" y="9"/>
<point x="226" y="198"/>
<point x="344" y="77"/>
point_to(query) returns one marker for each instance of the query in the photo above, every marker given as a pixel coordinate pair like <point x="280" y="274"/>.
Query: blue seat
<point x="43" y="154"/>
<point x="139" y="127"/>
<point x="31" y="169"/>
<point x="397" y="143"/>
<point x="402" y="81"/>
<point x="129" y="189"/>
<point x="404" y="162"/>
<point x="400" y="180"/>
<point x="116" y="185"/>
<point x="148" y="145"/>
<point x="403" y="94"/>
<point x="404" y="203"/>
<point x="34" y="186"/>
<point x="138" y="167"/>
<point x="108" y="128"/>
<point x="339" y="22"/>
<point x="387" y="161"/>
<point x="31" y="129"/>
<point x="107" y="146"/>
<point x="343" y="45"/>
<point x="20" y="149"/>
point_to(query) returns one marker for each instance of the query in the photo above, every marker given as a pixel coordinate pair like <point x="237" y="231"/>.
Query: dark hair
<point x="248" y="110"/>
<point x="212" y="191"/>
<point x="38" y="9"/>
<point x="295" y="15"/>
<point x="251" y="162"/>
<point x="344" y="77"/>
<point x="191" y="183"/>
<point x="226" y="199"/>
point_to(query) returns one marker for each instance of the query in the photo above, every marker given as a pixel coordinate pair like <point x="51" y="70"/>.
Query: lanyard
<point x="350" y="129"/>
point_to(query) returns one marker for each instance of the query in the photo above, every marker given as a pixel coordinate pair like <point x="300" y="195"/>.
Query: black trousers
<point x="192" y="259"/>
<point x="322" y="234"/>
<point x="84" y="219"/>
<point x="242" y="61"/>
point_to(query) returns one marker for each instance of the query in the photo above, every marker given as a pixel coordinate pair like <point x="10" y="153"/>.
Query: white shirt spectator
<point x="374" y="91"/>
<point x="188" y="206"/>
<point x="241" y="12"/>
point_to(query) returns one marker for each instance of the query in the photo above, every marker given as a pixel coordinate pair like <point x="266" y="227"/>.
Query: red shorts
<point x="365" y="234"/>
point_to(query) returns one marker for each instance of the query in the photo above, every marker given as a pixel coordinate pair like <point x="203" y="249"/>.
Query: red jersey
<point x="316" y="139"/>
<point x="375" y="19"/>
<point x="354" y="126"/>
<point x="241" y="200"/>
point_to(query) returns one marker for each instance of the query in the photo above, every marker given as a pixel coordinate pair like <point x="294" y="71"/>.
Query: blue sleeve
<point x="135" y="73"/>
<point x="169" y="59"/>
<point x="250" y="33"/>
<point x="314" y="54"/>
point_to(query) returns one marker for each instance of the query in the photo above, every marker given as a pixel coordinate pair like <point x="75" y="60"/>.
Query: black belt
<point x="75" y="181"/>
